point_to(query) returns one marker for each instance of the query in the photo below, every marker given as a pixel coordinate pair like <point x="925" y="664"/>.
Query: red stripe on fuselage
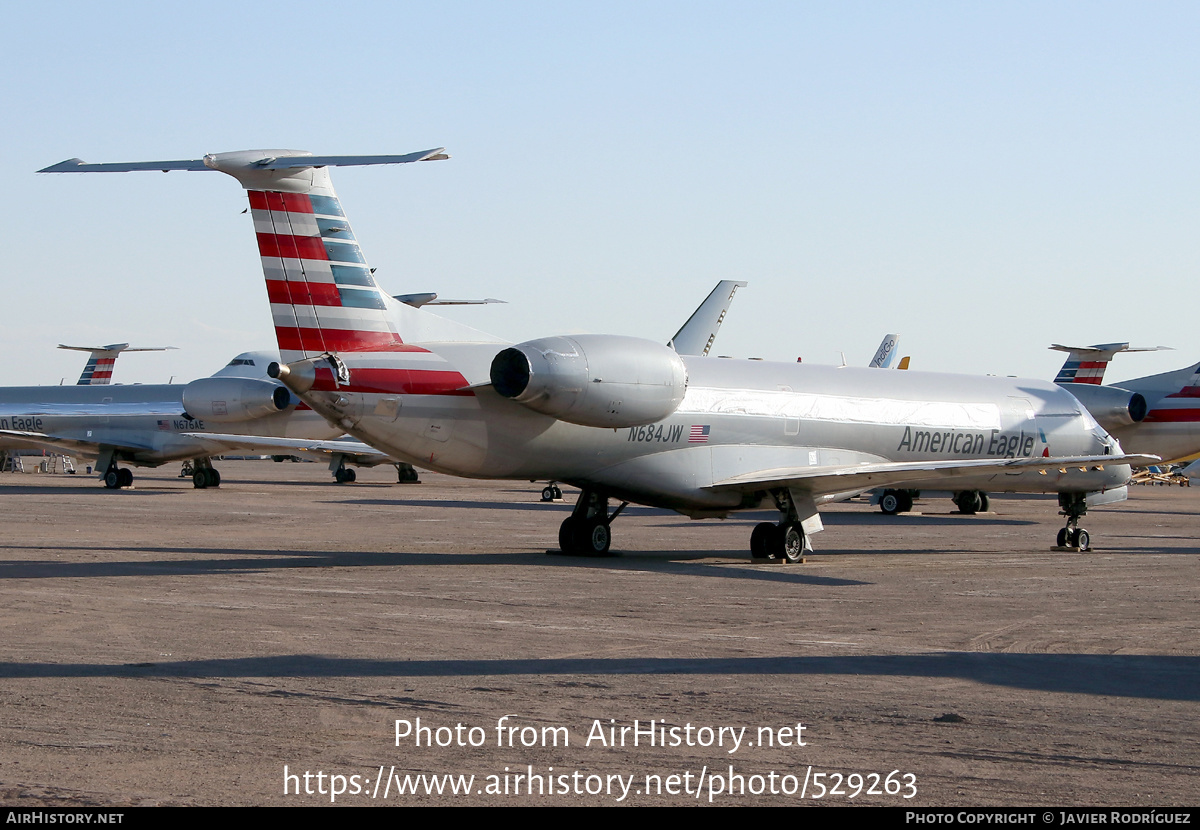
<point x="288" y="202"/>
<point x="291" y="247"/>
<point x="1173" y="416"/>
<point x="303" y="293"/>
<point x="399" y="382"/>
<point x="294" y="339"/>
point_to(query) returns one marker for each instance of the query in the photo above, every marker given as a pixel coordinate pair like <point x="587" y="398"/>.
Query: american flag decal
<point x="699" y="434"/>
<point x="164" y="425"/>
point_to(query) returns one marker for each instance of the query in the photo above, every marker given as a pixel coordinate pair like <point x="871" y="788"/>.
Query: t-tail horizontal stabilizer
<point x="1086" y="364"/>
<point x="99" y="368"/>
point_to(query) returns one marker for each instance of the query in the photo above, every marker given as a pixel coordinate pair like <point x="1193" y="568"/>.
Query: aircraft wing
<point x="63" y="444"/>
<point x="361" y="453"/>
<point x="824" y="481"/>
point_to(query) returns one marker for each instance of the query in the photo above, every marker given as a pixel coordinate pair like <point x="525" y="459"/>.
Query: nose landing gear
<point x="1074" y="507"/>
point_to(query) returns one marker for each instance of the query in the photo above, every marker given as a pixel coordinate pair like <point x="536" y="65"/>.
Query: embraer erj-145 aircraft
<point x="148" y="425"/>
<point x="623" y="418"/>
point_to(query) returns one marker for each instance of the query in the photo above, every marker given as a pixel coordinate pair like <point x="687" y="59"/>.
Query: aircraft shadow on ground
<point x="1157" y="677"/>
<point x="242" y="560"/>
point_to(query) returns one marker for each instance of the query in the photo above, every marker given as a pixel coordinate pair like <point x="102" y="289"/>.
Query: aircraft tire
<point x="112" y="480"/>
<point x="547" y="494"/>
<point x="889" y="502"/>
<point x="906" y="501"/>
<point x="985" y="503"/>
<point x="200" y="479"/>
<point x="124" y="477"/>
<point x="592" y="537"/>
<point x="760" y="540"/>
<point x="793" y="543"/>
<point x="968" y="502"/>
<point x="1063" y="537"/>
<point x="1081" y="539"/>
<point x="214" y="477"/>
<point x="351" y="476"/>
<point x="566" y="535"/>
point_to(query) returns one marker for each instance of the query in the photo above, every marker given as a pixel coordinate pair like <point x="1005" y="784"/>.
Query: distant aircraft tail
<point x="885" y="355"/>
<point x="99" y="368"/>
<point x="1086" y="364"/>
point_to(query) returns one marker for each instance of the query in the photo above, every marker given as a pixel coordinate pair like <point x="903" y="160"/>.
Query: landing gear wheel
<point x="214" y="477"/>
<point x="1063" y="537"/>
<point x="760" y="540"/>
<point x="906" y="501"/>
<point x="890" y="502"/>
<point x="556" y="490"/>
<point x="969" y="502"/>
<point x="1081" y="539"/>
<point x="792" y="536"/>
<point x="124" y="477"/>
<point x="344" y="476"/>
<point x="112" y="479"/>
<point x="547" y="494"/>
<point x="985" y="504"/>
<point x="200" y="479"/>
<point x="566" y="535"/>
<point x="592" y="538"/>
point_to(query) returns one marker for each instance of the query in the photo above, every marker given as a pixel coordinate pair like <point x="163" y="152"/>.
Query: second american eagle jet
<point x="622" y="418"/>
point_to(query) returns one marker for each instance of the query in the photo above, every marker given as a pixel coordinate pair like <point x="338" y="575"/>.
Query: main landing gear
<point x="787" y="541"/>
<point x="1074" y="507"/>
<point x="551" y="492"/>
<point x="896" y="501"/>
<point x="341" y="473"/>
<point x="204" y="474"/>
<point x="117" y="477"/>
<point x="971" y="502"/>
<point x="406" y="473"/>
<point x="586" y="531"/>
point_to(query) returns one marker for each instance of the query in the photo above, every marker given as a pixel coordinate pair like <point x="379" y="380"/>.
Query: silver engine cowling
<point x="593" y="380"/>
<point x="234" y="399"/>
<point x="1111" y="406"/>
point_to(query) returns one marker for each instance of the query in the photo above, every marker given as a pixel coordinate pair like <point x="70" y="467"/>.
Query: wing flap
<point x="821" y="481"/>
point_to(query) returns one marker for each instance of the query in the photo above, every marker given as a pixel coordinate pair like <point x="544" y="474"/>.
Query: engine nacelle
<point x="593" y="380"/>
<point x="1111" y="406"/>
<point x="234" y="399"/>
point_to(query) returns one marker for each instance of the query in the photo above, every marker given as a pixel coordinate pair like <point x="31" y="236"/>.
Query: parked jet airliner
<point x="623" y="418"/>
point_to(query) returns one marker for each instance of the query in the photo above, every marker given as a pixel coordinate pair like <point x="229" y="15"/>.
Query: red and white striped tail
<point x="323" y="297"/>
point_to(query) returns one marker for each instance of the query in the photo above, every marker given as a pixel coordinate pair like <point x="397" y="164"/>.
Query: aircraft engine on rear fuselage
<point x="234" y="399"/>
<point x="593" y="380"/>
<point x="1111" y="406"/>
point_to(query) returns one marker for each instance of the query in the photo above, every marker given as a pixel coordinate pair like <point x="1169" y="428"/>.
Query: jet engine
<point x="234" y="399"/>
<point x="593" y="380"/>
<point x="1111" y="406"/>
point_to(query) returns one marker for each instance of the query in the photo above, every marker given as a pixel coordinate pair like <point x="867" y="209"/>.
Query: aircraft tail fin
<point x="99" y="368"/>
<point x="1086" y="364"/>
<point x="323" y="295"/>
<point x="886" y="353"/>
<point x="696" y="336"/>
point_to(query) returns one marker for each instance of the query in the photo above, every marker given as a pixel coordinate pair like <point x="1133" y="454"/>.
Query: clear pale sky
<point x="985" y="179"/>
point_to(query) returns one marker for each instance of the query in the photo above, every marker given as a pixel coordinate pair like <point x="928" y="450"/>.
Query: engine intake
<point x="593" y="380"/>
<point x="224" y="400"/>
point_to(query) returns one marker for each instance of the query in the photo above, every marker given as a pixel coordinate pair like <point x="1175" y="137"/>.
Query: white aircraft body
<point x="624" y="418"/>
